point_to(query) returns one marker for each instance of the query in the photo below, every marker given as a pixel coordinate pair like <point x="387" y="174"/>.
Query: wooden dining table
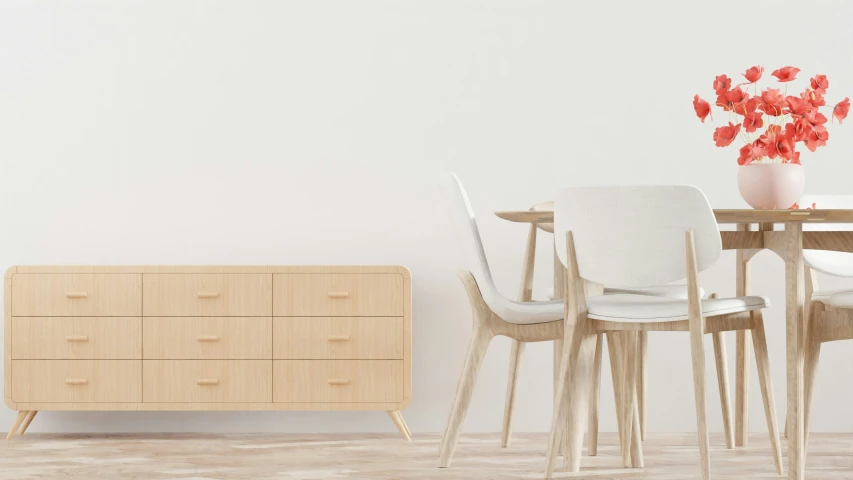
<point x="756" y="231"/>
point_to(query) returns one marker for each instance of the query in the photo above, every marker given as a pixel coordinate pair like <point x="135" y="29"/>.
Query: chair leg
<point x="16" y="424"/>
<point x="616" y="375"/>
<point x="27" y="421"/>
<point x="571" y="390"/>
<point x="642" y="379"/>
<point x="476" y="351"/>
<point x="762" y="363"/>
<point x="723" y="384"/>
<point x="515" y="356"/>
<point x="812" y="356"/>
<point x="629" y="393"/>
<point x="615" y="347"/>
<point x="697" y="351"/>
<point x="594" y="396"/>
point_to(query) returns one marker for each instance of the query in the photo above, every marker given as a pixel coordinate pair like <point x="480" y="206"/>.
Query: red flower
<point x="752" y="122"/>
<point x="799" y="106"/>
<point x="748" y="153"/>
<point x="814" y="97"/>
<point x="747" y="106"/>
<point x="702" y="108"/>
<point x="753" y="74"/>
<point x="817" y="137"/>
<point x="785" y="146"/>
<point x="767" y="142"/>
<point x="786" y="74"/>
<point x="730" y="98"/>
<point x="796" y="159"/>
<point x="724" y="136"/>
<point x="841" y="109"/>
<point x="820" y="84"/>
<point x="772" y="101"/>
<point x="721" y="84"/>
<point x="800" y="129"/>
<point x="815" y="118"/>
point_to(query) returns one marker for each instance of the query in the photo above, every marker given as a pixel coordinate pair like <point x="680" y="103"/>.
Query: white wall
<point x="315" y="132"/>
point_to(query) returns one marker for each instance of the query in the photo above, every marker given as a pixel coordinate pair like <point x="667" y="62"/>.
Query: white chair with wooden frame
<point x="517" y="351"/>
<point x="636" y="236"/>
<point x="493" y="314"/>
<point x="830" y="313"/>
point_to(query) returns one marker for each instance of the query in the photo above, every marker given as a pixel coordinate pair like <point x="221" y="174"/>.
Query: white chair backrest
<point x="635" y="235"/>
<point x="468" y="235"/>
<point x="839" y="264"/>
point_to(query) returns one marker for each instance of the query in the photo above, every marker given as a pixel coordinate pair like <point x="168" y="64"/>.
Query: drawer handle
<point x="208" y="338"/>
<point x="338" y="294"/>
<point x="207" y="381"/>
<point x="338" y="381"/>
<point x="208" y="294"/>
<point x="77" y="338"/>
<point x="339" y="338"/>
<point x="76" y="294"/>
<point x="76" y="381"/>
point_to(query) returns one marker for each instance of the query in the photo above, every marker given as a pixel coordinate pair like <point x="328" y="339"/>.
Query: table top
<point x="745" y="215"/>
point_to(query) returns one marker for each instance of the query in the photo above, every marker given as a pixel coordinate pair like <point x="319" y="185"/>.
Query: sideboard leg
<point x="18" y="420"/>
<point x="398" y="420"/>
<point x="28" y="421"/>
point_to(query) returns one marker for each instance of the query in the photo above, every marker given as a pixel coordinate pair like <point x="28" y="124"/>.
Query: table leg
<point x="794" y="307"/>
<point x="742" y="342"/>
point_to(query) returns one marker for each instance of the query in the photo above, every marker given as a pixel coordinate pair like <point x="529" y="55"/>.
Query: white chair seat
<point x="649" y="308"/>
<point x="527" y="313"/>
<point x="840" y="299"/>
<point x="673" y="291"/>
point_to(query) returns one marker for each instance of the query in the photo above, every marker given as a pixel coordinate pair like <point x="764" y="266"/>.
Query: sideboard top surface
<point x="210" y="269"/>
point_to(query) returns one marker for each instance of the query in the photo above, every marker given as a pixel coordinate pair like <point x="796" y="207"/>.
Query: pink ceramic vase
<point x="768" y="186"/>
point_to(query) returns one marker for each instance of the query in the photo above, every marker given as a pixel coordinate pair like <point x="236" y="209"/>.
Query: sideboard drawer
<point x="77" y="338"/>
<point x="77" y="381"/>
<point x="338" y="381"/>
<point x="207" y="338"/>
<point x="207" y="381"/>
<point x="338" y="294"/>
<point x="77" y="294"/>
<point x="207" y="295"/>
<point x="338" y="338"/>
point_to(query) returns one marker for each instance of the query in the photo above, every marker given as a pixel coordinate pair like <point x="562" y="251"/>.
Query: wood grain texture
<point x="338" y="338"/>
<point x="742" y="340"/>
<point x="76" y="338"/>
<point x="337" y="381"/>
<point x="207" y="295"/>
<point x="207" y="338"/>
<point x="525" y="294"/>
<point x="379" y="456"/>
<point x="207" y="381"/>
<point x="31" y="415"/>
<point x="185" y="336"/>
<point x="83" y="295"/>
<point x="697" y="353"/>
<point x="324" y="295"/>
<point x="794" y="304"/>
<point x="88" y="381"/>
<point x="400" y="423"/>
<point x="723" y="387"/>
<point x="762" y="363"/>
<point x="17" y="423"/>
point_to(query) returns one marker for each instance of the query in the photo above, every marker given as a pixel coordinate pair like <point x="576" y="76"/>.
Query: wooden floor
<point x="381" y="457"/>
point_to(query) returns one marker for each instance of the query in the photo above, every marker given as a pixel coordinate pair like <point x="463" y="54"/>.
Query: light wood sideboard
<point x="207" y="338"/>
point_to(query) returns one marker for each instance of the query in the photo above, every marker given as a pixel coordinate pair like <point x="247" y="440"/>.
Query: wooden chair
<point x="517" y="351"/>
<point x="493" y="314"/>
<point x="830" y="313"/>
<point x="641" y="236"/>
